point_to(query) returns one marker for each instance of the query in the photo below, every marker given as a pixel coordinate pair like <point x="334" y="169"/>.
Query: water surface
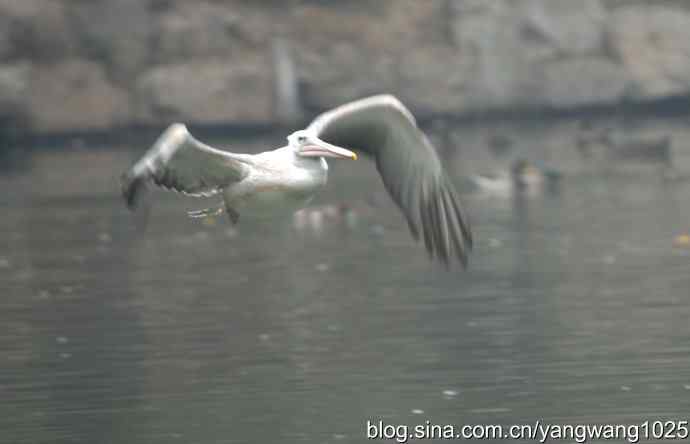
<point x="574" y="309"/>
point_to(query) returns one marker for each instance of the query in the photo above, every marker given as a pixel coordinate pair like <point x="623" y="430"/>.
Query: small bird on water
<point x="288" y="177"/>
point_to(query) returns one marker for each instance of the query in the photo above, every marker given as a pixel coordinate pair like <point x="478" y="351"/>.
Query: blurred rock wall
<point x="96" y="64"/>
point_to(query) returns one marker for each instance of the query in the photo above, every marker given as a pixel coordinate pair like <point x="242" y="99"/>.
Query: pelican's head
<point x="308" y="144"/>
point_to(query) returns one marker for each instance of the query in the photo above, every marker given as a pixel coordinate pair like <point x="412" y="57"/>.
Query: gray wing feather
<point x="412" y="173"/>
<point x="179" y="162"/>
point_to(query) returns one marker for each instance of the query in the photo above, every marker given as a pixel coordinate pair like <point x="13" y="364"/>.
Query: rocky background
<point x="83" y="65"/>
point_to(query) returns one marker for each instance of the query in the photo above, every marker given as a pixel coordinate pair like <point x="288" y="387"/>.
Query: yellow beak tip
<point x="354" y="156"/>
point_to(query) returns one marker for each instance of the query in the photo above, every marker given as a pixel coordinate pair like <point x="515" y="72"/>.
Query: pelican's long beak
<point x="318" y="148"/>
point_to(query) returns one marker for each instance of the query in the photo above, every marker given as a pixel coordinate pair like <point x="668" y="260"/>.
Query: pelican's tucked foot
<point x="233" y="215"/>
<point x="206" y="212"/>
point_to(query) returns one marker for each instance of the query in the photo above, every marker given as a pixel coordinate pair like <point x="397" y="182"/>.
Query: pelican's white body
<point x="279" y="181"/>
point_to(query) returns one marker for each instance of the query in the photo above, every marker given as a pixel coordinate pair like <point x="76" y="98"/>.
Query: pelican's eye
<point x="302" y="139"/>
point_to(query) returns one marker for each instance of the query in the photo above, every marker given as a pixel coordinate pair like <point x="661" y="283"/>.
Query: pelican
<point x="288" y="177"/>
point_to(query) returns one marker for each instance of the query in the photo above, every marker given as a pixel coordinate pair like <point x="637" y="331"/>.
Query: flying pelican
<point x="379" y="126"/>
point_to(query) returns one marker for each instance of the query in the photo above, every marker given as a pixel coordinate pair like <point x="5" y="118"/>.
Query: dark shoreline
<point x="670" y="107"/>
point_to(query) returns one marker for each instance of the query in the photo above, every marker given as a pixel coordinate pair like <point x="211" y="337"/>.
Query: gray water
<point x="574" y="310"/>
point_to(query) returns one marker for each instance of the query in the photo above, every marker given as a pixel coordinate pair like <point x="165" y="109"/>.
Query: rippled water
<point x="574" y="309"/>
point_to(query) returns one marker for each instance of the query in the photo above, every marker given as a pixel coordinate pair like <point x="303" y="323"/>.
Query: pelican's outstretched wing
<point x="179" y="162"/>
<point x="382" y="127"/>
